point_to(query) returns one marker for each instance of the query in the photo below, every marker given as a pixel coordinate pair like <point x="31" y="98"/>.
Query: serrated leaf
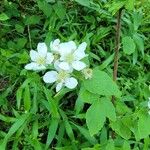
<point x="87" y="96"/>
<point x="101" y="84"/>
<point x="95" y="117"/>
<point x="128" y="45"/>
<point x="143" y="125"/>
<point x="121" y="129"/>
<point x="109" y="109"/>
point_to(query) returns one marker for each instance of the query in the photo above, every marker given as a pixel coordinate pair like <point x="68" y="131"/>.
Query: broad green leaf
<point x="128" y="45"/>
<point x="52" y="131"/>
<point x="121" y="129"/>
<point x="110" y="145"/>
<point x="143" y="125"/>
<point x="3" y="17"/>
<point x="108" y="108"/>
<point x="87" y="96"/>
<point x="126" y="145"/>
<point x="95" y="117"/>
<point x="129" y="4"/>
<point x="101" y="84"/>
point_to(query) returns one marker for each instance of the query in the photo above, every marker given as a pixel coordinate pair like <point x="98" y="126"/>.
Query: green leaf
<point x="139" y="42"/>
<point x="101" y="84"/>
<point x="143" y="125"/>
<point x="86" y="134"/>
<point x="129" y="4"/>
<point x="87" y="96"/>
<point x="121" y="129"/>
<point x="59" y="10"/>
<point x="19" y="28"/>
<point x="67" y="125"/>
<point x="109" y="109"/>
<point x="128" y="45"/>
<point x="52" y="104"/>
<point x="110" y="145"/>
<point x="18" y="123"/>
<point x="95" y="117"/>
<point x="83" y="2"/>
<point x="30" y="20"/>
<point x="27" y="98"/>
<point x="19" y="97"/>
<point x="52" y="131"/>
<point x="3" y="17"/>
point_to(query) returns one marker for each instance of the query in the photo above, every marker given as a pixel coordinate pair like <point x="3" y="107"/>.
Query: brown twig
<point x="117" y="47"/>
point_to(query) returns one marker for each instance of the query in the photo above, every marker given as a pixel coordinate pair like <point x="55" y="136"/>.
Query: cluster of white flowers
<point x="65" y="57"/>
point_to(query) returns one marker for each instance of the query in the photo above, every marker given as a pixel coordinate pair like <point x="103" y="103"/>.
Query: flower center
<point x="41" y="61"/>
<point x="69" y="58"/>
<point x="62" y="76"/>
<point x="88" y="73"/>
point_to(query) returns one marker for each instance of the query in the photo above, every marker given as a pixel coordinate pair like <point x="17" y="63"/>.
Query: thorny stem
<point x="117" y="47"/>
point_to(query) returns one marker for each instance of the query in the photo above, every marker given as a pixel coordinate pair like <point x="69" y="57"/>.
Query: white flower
<point x="62" y="78"/>
<point x="87" y="73"/>
<point x="70" y="56"/>
<point x="55" y="46"/>
<point x="40" y="58"/>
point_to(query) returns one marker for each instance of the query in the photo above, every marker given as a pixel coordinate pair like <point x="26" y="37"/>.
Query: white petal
<point x="34" y="66"/>
<point x="56" y="65"/>
<point x="67" y="47"/>
<point x="72" y="45"/>
<point x="71" y="83"/>
<point x="42" y="49"/>
<point x="82" y="47"/>
<point x="50" y="77"/>
<point x="30" y="66"/>
<point x="64" y="66"/>
<point x="49" y="58"/>
<point x="34" y="55"/>
<point x="79" y="53"/>
<point x="59" y="86"/>
<point x="39" y="67"/>
<point x="78" y="65"/>
<point x="54" y="45"/>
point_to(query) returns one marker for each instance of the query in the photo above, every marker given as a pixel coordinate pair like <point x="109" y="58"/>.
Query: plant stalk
<point x="117" y="47"/>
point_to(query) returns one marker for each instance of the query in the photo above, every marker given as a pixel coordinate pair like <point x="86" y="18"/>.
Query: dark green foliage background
<point x="30" y="118"/>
